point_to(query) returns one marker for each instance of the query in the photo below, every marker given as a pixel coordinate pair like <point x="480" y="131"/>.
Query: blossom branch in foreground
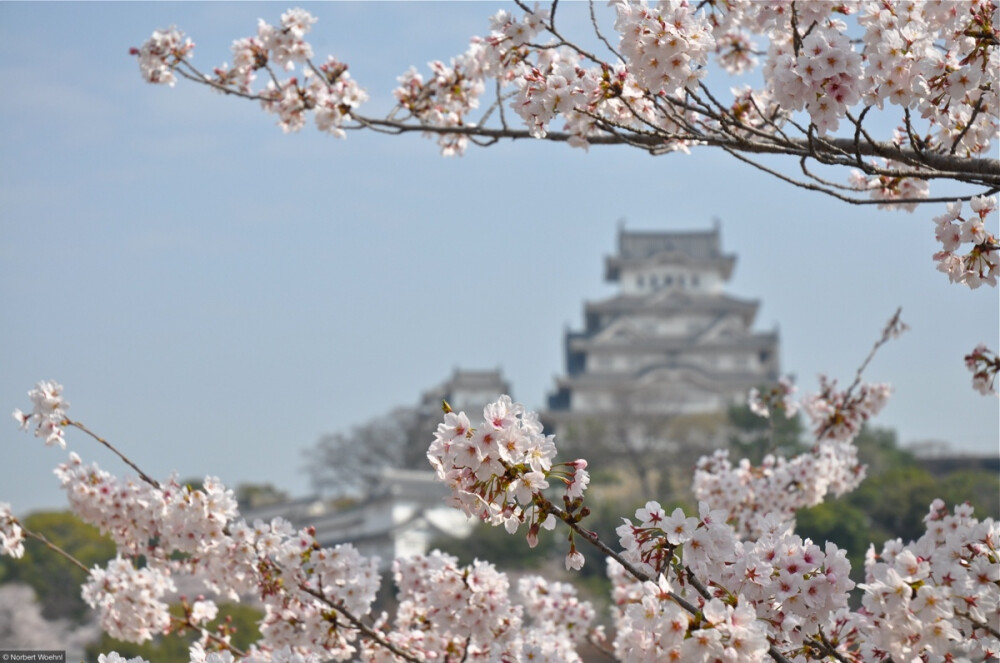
<point x="688" y="588"/>
<point x="779" y="486"/>
<point x="649" y="90"/>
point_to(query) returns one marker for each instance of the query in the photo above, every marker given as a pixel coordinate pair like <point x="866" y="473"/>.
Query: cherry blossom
<point x="779" y="397"/>
<point x="936" y="596"/>
<point x="984" y="365"/>
<point x="130" y="602"/>
<point x="48" y="413"/>
<point x="160" y="54"/>
<point x="498" y="470"/>
<point x="982" y="263"/>
<point x="11" y="534"/>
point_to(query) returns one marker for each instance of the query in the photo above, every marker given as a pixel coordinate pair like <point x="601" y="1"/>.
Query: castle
<point x="671" y="341"/>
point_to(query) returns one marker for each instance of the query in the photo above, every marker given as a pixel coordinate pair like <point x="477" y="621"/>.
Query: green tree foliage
<point x="892" y="501"/>
<point x="978" y="487"/>
<point x="252" y="495"/>
<point x="57" y="581"/>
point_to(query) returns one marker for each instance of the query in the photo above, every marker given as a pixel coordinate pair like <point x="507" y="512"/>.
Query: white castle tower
<point x="671" y="341"/>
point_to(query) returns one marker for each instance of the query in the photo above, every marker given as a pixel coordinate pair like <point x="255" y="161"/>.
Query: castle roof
<point x="697" y="247"/>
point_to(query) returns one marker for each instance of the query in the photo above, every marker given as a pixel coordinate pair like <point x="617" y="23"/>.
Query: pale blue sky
<point x="216" y="295"/>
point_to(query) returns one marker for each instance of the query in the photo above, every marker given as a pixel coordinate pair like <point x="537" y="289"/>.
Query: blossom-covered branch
<point x="687" y="587"/>
<point x="827" y="67"/>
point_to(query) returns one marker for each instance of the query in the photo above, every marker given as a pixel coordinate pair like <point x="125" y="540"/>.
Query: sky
<point x="216" y="295"/>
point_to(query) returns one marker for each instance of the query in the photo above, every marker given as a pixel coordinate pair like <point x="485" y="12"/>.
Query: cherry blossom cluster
<point x="937" y="598"/>
<point x="133" y="512"/>
<point x="331" y="95"/>
<point x="718" y="598"/>
<point x="896" y="191"/>
<point x="48" y="413"/>
<point x="130" y="602"/>
<point x="447" y="97"/>
<point x="306" y="590"/>
<point x="985" y="365"/>
<point x="821" y="74"/>
<point x="301" y="585"/>
<point x="838" y="415"/>
<point x="935" y="64"/>
<point x="161" y="53"/>
<point x="447" y="611"/>
<point x="982" y="263"/>
<point x="287" y="45"/>
<point x="11" y="534"/>
<point x="779" y="397"/>
<point x="778" y="485"/>
<point x="322" y="584"/>
<point x="667" y="46"/>
<point x="498" y="471"/>
<point x="936" y="58"/>
<point x="558" y="619"/>
<point x="283" y="45"/>
<point x="655" y="628"/>
<point x="939" y="58"/>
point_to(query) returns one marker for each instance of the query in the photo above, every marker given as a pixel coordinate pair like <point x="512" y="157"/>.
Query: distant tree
<point x="754" y="437"/>
<point x="250" y="495"/>
<point x="657" y="449"/>
<point x="879" y="450"/>
<point x="351" y="464"/>
<point x="980" y="488"/>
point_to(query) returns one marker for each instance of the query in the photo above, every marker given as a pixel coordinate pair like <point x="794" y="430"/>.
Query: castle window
<point x="667" y="280"/>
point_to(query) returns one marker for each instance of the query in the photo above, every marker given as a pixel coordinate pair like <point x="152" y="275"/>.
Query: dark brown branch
<point x="65" y="555"/>
<point x="982" y="171"/>
<point x="978" y="624"/>
<point x="142" y="475"/>
<point x="361" y="627"/>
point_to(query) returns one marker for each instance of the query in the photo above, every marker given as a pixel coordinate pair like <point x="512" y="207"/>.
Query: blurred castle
<point x="671" y="341"/>
<point x="651" y="375"/>
<point x="404" y="510"/>
<point x="652" y="372"/>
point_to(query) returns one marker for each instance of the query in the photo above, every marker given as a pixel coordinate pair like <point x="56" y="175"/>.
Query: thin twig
<point x="362" y="628"/>
<point x="142" y="475"/>
<point x="41" y="539"/>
